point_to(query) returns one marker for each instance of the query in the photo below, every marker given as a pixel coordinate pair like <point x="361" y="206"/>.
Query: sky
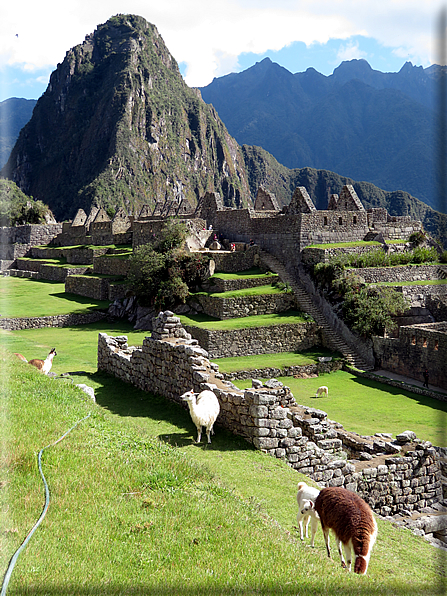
<point x="212" y="38"/>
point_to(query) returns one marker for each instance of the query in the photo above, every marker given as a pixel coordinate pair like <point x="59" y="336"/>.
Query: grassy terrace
<point x="257" y="291"/>
<point x="21" y="297"/>
<point x="253" y="273"/>
<point x="207" y="322"/>
<point x="123" y="247"/>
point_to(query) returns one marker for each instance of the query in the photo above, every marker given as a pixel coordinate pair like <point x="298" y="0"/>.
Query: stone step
<point x="308" y="306"/>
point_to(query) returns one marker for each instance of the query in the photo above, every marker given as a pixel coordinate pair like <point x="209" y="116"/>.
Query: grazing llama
<point x="43" y="365"/>
<point x="352" y="522"/>
<point x="305" y="497"/>
<point x="204" y="410"/>
<point x="323" y="390"/>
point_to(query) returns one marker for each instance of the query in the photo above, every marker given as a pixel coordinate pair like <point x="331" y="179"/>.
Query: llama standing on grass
<point x="44" y="365"/>
<point x="204" y="410"/>
<point x="305" y="497"/>
<point x="323" y="390"/>
<point x="352" y="522"/>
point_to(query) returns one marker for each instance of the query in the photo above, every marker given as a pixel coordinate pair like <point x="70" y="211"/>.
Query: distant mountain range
<point x="358" y="122"/>
<point x="14" y="114"/>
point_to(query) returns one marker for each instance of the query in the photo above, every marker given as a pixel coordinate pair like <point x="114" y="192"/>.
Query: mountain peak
<point x="125" y="130"/>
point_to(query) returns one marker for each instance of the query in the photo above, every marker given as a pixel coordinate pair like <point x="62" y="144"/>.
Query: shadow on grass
<point x="126" y="400"/>
<point x="385" y="388"/>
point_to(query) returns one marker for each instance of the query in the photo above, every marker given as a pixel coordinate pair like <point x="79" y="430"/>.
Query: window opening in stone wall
<point x="413" y="340"/>
<point x="436" y="345"/>
<point x="354" y="219"/>
<point x="424" y="342"/>
<point x="340" y="221"/>
<point x="325" y="221"/>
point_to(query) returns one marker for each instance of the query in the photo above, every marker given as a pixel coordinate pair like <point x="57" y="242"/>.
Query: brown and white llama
<point x="42" y="365"/>
<point x="352" y="522"/>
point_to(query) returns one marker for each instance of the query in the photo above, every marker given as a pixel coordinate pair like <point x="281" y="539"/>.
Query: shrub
<point x="422" y="254"/>
<point x="161" y="275"/>
<point x="370" y="311"/>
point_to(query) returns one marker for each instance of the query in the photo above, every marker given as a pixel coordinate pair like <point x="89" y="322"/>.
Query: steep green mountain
<point x="361" y="123"/>
<point x="16" y="208"/>
<point x="117" y="126"/>
<point x="14" y="114"/>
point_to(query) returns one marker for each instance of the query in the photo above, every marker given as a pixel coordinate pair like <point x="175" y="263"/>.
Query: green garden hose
<point x="42" y="515"/>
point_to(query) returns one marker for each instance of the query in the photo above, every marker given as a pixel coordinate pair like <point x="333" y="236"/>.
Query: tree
<point x="162" y="274"/>
<point x="370" y="310"/>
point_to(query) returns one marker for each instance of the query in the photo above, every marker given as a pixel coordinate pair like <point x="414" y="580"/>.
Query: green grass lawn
<point x="256" y="291"/>
<point x="20" y="297"/>
<point x="253" y="273"/>
<point x="282" y="318"/>
<point x="138" y="508"/>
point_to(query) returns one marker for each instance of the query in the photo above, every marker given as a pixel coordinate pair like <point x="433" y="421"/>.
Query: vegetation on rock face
<point x="161" y="273"/>
<point x="18" y="209"/>
<point x="369" y="310"/>
<point x="125" y="130"/>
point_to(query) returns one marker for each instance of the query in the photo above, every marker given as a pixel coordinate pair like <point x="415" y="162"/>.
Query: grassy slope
<point x="282" y="318"/>
<point x="138" y="508"/>
<point x="28" y="298"/>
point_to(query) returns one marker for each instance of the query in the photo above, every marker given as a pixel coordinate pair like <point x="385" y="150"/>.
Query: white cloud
<point x="350" y="51"/>
<point x="208" y="35"/>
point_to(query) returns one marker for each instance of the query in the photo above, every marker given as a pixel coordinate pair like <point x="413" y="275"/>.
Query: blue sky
<point x="211" y="38"/>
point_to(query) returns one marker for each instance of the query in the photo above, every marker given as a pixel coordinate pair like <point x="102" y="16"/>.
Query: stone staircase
<point x="334" y="340"/>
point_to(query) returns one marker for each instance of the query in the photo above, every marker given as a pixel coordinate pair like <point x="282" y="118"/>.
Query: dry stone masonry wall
<point x="170" y="363"/>
<point x="258" y="340"/>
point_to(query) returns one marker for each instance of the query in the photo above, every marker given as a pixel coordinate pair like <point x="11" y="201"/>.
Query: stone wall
<point x="110" y="265"/>
<point x="417" y="348"/>
<point x="88" y="286"/>
<point x="34" y="235"/>
<point x="268" y="417"/>
<point x="257" y="340"/>
<point x="401" y="273"/>
<point x="215" y="284"/>
<point x="420" y="293"/>
<point x="69" y="320"/>
<point x="304" y="371"/>
<point x="48" y="271"/>
<point x="234" y="262"/>
<point x="244" y="306"/>
<point x="312" y="255"/>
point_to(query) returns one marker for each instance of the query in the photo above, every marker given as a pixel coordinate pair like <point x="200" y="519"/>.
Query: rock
<point x="273" y="384"/>
<point x="256" y="384"/>
<point x="406" y="437"/>
<point x="88" y="390"/>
